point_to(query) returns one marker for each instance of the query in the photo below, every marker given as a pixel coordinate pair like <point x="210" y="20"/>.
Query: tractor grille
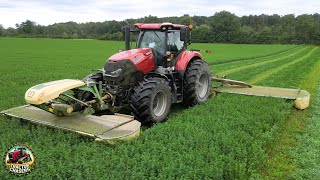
<point x="119" y="76"/>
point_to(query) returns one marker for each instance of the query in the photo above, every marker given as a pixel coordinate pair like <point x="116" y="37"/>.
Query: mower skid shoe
<point x="107" y="128"/>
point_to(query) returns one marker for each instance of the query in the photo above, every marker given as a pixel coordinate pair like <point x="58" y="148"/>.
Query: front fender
<point x="184" y="58"/>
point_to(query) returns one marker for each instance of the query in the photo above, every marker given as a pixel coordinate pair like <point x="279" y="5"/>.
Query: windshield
<point x="174" y="43"/>
<point x="155" y="40"/>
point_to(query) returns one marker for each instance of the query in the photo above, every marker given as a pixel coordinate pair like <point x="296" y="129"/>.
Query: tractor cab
<point x="166" y="40"/>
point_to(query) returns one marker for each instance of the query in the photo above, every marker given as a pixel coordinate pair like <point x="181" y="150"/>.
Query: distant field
<point x="229" y="137"/>
<point x="232" y="52"/>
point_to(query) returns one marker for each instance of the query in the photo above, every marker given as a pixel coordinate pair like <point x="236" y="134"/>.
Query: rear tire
<point x="151" y="100"/>
<point x="197" y="83"/>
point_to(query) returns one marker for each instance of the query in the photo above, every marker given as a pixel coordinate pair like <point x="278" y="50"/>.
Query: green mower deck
<point x="112" y="128"/>
<point x="301" y="97"/>
<point x="109" y="128"/>
<point x="284" y="93"/>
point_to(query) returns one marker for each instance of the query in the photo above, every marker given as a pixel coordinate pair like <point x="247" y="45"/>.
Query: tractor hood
<point x="133" y="55"/>
<point x="142" y="58"/>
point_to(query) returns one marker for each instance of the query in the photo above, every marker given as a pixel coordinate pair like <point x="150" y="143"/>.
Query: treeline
<point x="222" y="27"/>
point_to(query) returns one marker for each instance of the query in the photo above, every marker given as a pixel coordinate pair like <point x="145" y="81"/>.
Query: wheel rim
<point x="202" y="85"/>
<point x="159" y="103"/>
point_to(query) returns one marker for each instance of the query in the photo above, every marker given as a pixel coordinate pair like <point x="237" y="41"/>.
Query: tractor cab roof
<point x="159" y="26"/>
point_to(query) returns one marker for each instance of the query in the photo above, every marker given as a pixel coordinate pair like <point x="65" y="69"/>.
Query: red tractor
<point x="158" y="72"/>
<point x="19" y="155"/>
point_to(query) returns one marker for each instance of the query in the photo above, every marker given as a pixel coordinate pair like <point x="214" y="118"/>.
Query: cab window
<point x="174" y="43"/>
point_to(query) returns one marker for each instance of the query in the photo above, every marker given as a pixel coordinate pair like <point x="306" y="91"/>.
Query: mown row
<point x="227" y="137"/>
<point x="306" y="154"/>
<point x="289" y="158"/>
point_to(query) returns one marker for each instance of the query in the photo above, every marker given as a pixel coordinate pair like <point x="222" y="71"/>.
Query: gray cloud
<point x="52" y="11"/>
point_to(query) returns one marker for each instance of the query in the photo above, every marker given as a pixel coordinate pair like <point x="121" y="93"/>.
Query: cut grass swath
<point x="255" y="58"/>
<point x="250" y="73"/>
<point x="236" y="64"/>
<point x="272" y="71"/>
<point x="261" y="63"/>
<point x="282" y="164"/>
<point x="221" y="54"/>
<point x="306" y="153"/>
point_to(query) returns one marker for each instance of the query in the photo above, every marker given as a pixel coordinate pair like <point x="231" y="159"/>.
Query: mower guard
<point x="301" y="97"/>
<point x="109" y="128"/>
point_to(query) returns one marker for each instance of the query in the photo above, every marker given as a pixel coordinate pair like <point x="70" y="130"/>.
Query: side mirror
<point x="184" y="34"/>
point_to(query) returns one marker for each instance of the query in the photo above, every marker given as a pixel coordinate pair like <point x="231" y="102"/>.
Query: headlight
<point x="116" y="72"/>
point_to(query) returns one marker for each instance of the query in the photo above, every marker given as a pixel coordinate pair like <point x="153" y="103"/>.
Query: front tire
<point x="151" y="100"/>
<point x="197" y="83"/>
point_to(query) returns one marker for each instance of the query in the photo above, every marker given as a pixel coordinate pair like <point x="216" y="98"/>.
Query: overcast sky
<point x="46" y="12"/>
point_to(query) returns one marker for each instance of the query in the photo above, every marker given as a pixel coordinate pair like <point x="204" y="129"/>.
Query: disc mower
<point x="146" y="80"/>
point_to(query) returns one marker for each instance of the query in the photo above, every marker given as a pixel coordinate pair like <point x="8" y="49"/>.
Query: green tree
<point x="200" y="34"/>
<point x="174" y="19"/>
<point x="1" y="30"/>
<point x="265" y="36"/>
<point x="287" y="29"/>
<point x="186" y="20"/>
<point x="150" y="19"/>
<point x="224" y="26"/>
<point x="200" y="20"/>
<point x="246" y="35"/>
<point x="221" y="27"/>
<point x="316" y="36"/>
<point x="12" y="32"/>
<point x="305" y="28"/>
<point x="273" y="20"/>
<point x="27" y="27"/>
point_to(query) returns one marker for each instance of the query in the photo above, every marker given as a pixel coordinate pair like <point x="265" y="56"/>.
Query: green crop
<point x="222" y="53"/>
<point x="236" y="66"/>
<point x="306" y="154"/>
<point x="229" y="137"/>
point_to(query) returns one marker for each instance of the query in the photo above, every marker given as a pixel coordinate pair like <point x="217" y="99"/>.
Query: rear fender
<point x="185" y="57"/>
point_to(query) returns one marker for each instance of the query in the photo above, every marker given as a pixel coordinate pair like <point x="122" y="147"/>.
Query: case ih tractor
<point x="160" y="71"/>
